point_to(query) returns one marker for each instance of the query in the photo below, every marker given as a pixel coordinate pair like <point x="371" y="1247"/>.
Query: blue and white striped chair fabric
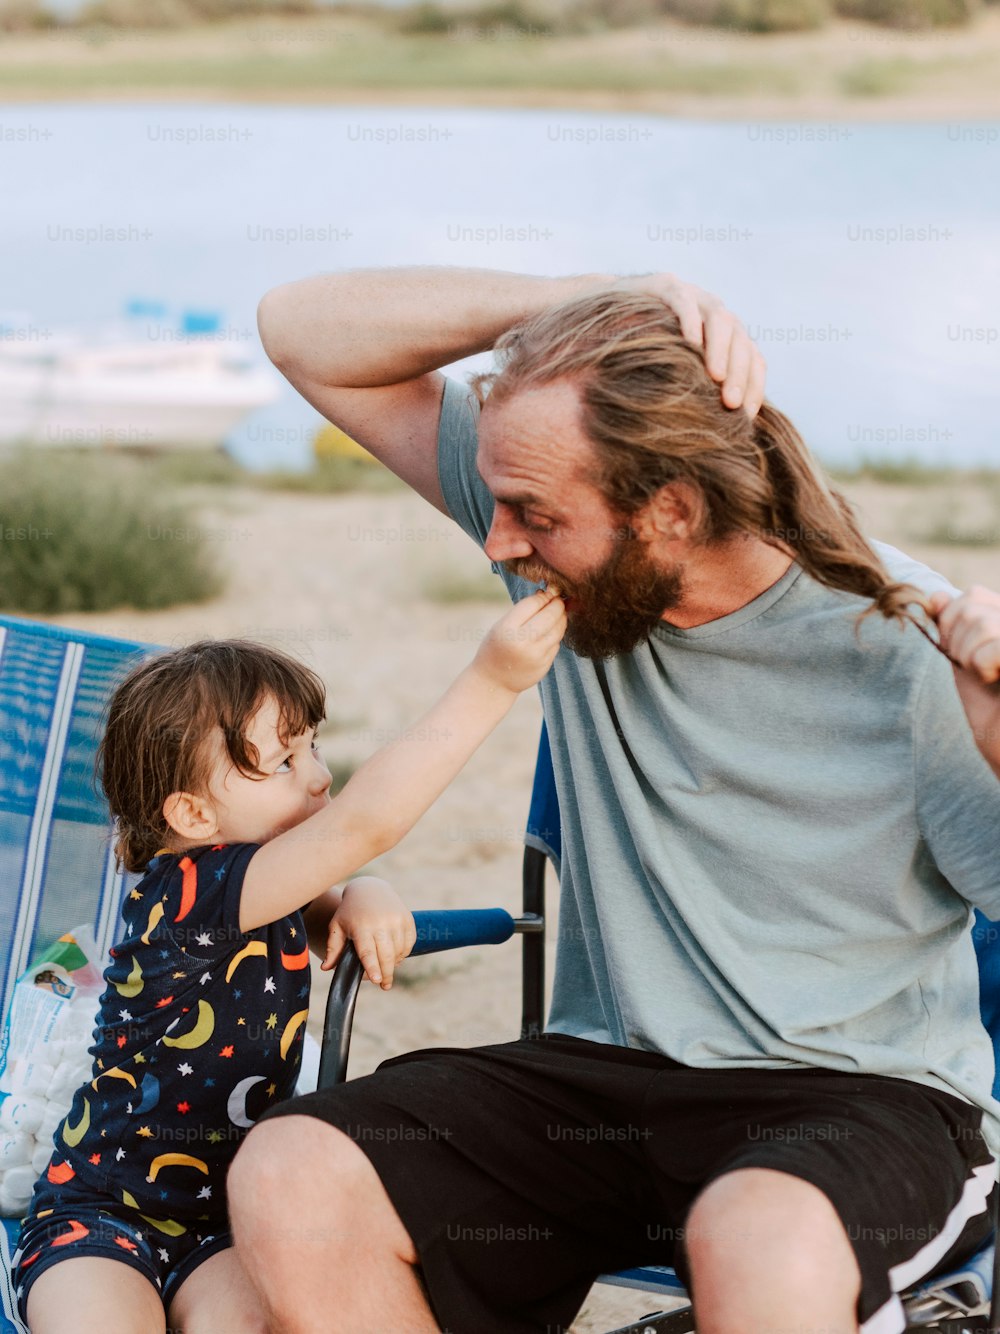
<point x="57" y="869"/>
<point x="962" y="1292"/>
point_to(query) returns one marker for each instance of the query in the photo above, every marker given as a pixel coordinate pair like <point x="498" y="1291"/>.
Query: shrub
<point x="909" y="13"/>
<point x="752" y="15"/>
<point x="25" y="16"/>
<point x="84" y="533"/>
<point x="449" y="587"/>
<point x="423" y="19"/>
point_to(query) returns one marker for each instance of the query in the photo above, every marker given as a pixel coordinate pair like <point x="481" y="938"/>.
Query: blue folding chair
<point x="958" y="1302"/>
<point x="57" y="867"/>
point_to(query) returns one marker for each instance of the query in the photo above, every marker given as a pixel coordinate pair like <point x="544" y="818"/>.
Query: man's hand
<point x="731" y="357"/>
<point x="969" y="630"/>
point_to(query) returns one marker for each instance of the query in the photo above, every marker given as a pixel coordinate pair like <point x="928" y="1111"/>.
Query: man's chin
<point x="587" y="640"/>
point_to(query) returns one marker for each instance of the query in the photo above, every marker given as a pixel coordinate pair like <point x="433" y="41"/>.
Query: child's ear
<point x="190" y="816"/>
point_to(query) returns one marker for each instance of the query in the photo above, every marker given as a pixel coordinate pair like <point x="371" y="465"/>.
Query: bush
<point x="909" y="13"/>
<point x="431" y="19"/>
<point x="752" y="15"/>
<point x="25" y="16"/>
<point x="86" y="533"/>
<point x="421" y="20"/>
<point x="138" y="14"/>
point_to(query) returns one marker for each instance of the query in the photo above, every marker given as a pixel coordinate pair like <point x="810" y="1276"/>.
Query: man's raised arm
<point x="365" y="347"/>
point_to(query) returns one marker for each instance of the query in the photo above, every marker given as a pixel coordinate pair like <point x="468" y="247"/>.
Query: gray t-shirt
<point x="772" y="833"/>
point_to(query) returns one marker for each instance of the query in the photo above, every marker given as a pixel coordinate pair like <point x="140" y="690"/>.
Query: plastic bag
<point x="44" y="1059"/>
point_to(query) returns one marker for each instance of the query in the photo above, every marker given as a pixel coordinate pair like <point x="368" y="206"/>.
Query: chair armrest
<point x="444" y="929"/>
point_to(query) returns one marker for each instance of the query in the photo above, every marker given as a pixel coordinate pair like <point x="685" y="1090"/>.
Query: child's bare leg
<point x="217" y="1298"/>
<point x="92" y="1295"/>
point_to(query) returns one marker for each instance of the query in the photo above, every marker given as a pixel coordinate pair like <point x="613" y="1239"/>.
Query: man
<point x="764" y="1059"/>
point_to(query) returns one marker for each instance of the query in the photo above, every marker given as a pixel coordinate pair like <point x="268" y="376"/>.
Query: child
<point x="212" y="774"/>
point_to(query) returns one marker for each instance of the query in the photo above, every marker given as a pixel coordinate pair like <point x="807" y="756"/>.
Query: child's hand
<point x="521" y="646"/>
<point x="378" y="922"/>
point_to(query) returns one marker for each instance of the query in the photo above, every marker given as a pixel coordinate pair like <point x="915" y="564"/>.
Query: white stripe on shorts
<point x="890" y="1319"/>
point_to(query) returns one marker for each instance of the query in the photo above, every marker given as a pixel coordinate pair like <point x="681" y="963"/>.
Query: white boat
<point x="184" y="387"/>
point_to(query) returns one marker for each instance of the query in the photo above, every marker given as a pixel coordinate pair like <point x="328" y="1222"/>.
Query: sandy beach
<point x="351" y="584"/>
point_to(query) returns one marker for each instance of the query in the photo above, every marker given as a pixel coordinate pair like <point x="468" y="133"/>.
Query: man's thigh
<point x="522" y="1170"/>
<point x="518" y="1171"/>
<point x="904" y="1166"/>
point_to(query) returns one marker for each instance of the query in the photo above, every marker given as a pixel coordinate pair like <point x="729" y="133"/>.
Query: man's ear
<point x="190" y="816"/>
<point x="673" y="514"/>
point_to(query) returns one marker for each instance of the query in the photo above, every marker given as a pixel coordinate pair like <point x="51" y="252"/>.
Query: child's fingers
<point x="386" y="947"/>
<point x="531" y="606"/>
<point x="368" y="955"/>
<point x="550" y="620"/>
<point x="335" y="943"/>
<point x="405" y="937"/>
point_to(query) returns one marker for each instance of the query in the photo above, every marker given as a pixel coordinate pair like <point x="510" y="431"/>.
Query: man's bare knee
<point x="319" y="1185"/>
<point x="769" y="1218"/>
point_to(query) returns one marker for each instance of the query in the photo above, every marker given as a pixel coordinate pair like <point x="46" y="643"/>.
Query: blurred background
<point x="831" y="168"/>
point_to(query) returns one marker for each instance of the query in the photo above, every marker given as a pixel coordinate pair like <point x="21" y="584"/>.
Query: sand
<point x="343" y="581"/>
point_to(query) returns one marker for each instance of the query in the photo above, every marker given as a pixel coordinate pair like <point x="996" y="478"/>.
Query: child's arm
<point x="369" y="912"/>
<point x="317" y="916"/>
<point x="389" y="793"/>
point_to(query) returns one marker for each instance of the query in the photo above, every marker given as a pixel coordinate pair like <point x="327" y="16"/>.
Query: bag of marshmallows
<point x="44" y="1058"/>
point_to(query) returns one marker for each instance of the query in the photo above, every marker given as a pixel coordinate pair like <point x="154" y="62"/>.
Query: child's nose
<point x="321" y="777"/>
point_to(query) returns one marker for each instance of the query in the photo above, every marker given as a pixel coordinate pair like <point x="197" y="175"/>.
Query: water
<point x="863" y="258"/>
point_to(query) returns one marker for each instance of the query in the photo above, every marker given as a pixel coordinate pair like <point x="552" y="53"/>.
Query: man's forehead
<point x="532" y="443"/>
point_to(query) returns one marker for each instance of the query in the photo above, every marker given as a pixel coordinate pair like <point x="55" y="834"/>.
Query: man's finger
<point x="719" y="327"/>
<point x="971" y="637"/>
<point x="950" y="609"/>
<point x="738" y="371"/>
<point x="985" y="662"/>
<point x="755" y="388"/>
<point x="684" y="303"/>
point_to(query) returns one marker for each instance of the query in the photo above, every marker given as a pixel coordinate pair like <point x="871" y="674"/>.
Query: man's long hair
<point x="654" y="416"/>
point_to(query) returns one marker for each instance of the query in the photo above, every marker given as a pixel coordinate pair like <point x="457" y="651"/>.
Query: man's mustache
<point x="536" y="574"/>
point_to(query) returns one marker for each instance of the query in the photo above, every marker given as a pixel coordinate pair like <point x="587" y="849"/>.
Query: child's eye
<point x="285" y="766"/>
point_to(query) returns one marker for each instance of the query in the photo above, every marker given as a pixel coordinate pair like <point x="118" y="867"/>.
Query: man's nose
<point x="506" y="540"/>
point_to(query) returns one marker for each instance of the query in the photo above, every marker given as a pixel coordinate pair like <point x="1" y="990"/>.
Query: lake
<point x="863" y="258"/>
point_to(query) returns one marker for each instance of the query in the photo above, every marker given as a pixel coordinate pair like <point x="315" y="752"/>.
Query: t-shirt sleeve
<point x="201" y="896"/>
<point x="469" y="502"/>
<point x="905" y="570"/>
<point x="958" y="794"/>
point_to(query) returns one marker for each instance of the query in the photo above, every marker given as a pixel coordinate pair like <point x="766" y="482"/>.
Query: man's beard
<point x="618" y="604"/>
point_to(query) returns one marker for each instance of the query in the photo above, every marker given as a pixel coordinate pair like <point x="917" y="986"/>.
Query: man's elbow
<point x="274" y="327"/>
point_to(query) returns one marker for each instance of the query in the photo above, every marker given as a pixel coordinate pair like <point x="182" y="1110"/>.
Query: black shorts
<point x="522" y="1171"/>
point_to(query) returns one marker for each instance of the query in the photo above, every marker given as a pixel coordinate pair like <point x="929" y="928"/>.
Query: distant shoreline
<point x="812" y="112"/>
<point x="846" y="71"/>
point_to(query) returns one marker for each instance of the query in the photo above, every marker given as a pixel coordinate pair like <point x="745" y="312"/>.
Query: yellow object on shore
<point x="330" y="442"/>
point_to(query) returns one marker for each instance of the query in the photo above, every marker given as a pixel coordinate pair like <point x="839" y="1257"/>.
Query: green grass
<point x="904" y="472"/>
<point x="84" y="534"/>
<point x="450" y="588"/>
<point x="366" y="57"/>
<point x="202" y="467"/>
<point x="330" y="476"/>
